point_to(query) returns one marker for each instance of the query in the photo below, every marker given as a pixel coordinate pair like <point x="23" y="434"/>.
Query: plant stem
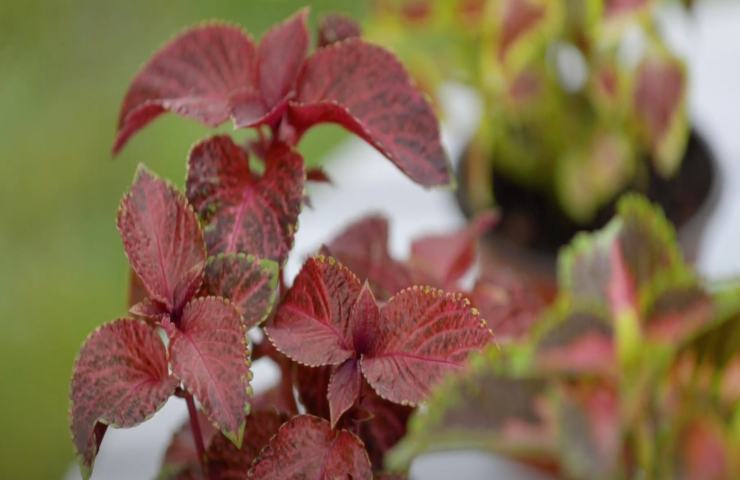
<point x="197" y="433"/>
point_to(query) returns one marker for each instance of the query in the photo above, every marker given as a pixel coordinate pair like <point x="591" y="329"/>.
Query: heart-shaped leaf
<point x="306" y="448"/>
<point x="162" y="239"/>
<point x="245" y="212"/>
<point x="208" y="351"/>
<point x="363" y="248"/>
<point x="206" y="74"/>
<point x="335" y="28"/>
<point x="248" y="283"/>
<point x="423" y="335"/>
<point x="120" y="379"/>
<point x="312" y="324"/>
<point x="364" y="88"/>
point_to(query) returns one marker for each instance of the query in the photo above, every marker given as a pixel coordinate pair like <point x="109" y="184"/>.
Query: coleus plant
<point x="620" y="105"/>
<point x="632" y="372"/>
<point x="206" y="268"/>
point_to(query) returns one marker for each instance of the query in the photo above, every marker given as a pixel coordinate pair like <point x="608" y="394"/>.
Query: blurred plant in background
<point x="582" y="99"/>
<point x="632" y="373"/>
<point x="65" y="67"/>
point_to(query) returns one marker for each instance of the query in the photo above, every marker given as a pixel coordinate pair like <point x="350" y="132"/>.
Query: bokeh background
<point x="64" y="68"/>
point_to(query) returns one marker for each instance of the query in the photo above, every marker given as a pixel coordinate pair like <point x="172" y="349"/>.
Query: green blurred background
<point x="64" y="68"/>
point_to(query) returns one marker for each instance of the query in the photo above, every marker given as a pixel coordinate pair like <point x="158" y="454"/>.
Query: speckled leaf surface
<point x="208" y="351"/>
<point x="227" y="462"/>
<point x="162" y="239"/>
<point x="365" y="89"/>
<point x="306" y="448"/>
<point x="245" y="212"/>
<point x="120" y="379"/>
<point x="248" y="283"/>
<point x="206" y="74"/>
<point x="423" y="334"/>
<point x="363" y="248"/>
<point x="312" y="324"/>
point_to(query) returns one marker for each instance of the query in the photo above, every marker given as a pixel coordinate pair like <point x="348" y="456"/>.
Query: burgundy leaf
<point x="136" y="289"/>
<point x="246" y="213"/>
<point x="306" y="448"/>
<point x="334" y="28"/>
<point x="444" y="259"/>
<point x="344" y="388"/>
<point x="312" y="323"/>
<point x="365" y="89"/>
<point x="249" y="284"/>
<point x="209" y="354"/>
<point x="312" y="384"/>
<point x="281" y="54"/>
<point x="162" y="239"/>
<point x="205" y="74"/>
<point x="423" y="334"/>
<point x="363" y="248"/>
<point x="227" y="462"/>
<point x="120" y="379"/>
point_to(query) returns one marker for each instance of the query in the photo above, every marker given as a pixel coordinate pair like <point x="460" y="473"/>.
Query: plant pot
<point x="532" y="228"/>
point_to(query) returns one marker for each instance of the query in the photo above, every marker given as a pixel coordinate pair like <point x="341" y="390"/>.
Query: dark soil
<point x="532" y="221"/>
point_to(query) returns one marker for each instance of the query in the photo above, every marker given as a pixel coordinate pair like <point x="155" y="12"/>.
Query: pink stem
<point x="197" y="433"/>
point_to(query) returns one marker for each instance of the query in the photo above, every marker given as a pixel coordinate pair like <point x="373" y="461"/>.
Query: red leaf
<point x="312" y="324"/>
<point x="209" y="354"/>
<point x="248" y="283"/>
<point x="307" y="448"/>
<point x="365" y="89"/>
<point x="120" y="379"/>
<point x="312" y="384"/>
<point x="227" y="462"/>
<point x="344" y="388"/>
<point x="334" y="28"/>
<point x="162" y="239"/>
<point x="423" y="334"/>
<point x="281" y="53"/>
<point x="318" y="175"/>
<point x="444" y="259"/>
<point x="256" y="215"/>
<point x="136" y="289"/>
<point x="363" y="248"/>
<point x="206" y="74"/>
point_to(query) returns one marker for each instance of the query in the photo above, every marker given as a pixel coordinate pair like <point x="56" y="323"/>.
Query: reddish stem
<point x="197" y="433"/>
